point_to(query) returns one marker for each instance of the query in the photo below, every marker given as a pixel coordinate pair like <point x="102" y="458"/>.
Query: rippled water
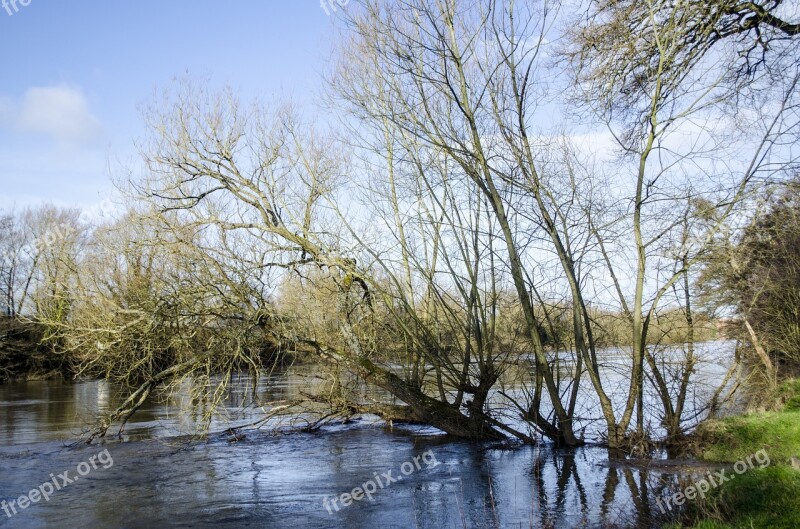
<point x="159" y="479"/>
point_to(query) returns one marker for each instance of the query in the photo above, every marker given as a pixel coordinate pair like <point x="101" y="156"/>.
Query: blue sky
<point x="73" y="75"/>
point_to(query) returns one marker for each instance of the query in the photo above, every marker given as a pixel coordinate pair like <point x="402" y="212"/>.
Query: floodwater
<point x="157" y="477"/>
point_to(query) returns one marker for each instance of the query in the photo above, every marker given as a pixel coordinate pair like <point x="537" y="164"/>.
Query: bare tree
<point x="447" y="75"/>
<point x="253" y="189"/>
<point x="657" y="70"/>
<point x="7" y="268"/>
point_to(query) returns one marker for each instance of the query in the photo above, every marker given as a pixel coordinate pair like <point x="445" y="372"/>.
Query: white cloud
<point x="59" y="112"/>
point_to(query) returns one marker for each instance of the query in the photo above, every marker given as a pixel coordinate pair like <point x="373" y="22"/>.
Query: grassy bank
<point x="763" y="497"/>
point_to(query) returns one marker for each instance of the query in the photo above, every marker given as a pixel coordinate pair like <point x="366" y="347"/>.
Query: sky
<point x="74" y="74"/>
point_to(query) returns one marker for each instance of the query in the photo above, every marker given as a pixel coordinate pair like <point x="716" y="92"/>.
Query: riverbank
<point x="22" y="354"/>
<point x="767" y="498"/>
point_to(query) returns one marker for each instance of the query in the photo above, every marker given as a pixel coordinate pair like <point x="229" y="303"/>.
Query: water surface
<point x="159" y="478"/>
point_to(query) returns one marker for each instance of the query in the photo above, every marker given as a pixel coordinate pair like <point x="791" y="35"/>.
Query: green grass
<point x="790" y="394"/>
<point x="767" y="498"/>
<point x="734" y="438"/>
<point x="762" y="498"/>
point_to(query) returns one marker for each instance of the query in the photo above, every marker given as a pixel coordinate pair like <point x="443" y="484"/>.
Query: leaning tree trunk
<point x="423" y="408"/>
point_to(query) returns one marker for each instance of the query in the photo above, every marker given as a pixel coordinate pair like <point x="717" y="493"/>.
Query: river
<point x="157" y="477"/>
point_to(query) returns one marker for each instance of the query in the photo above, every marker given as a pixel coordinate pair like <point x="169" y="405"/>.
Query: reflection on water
<point x="56" y="410"/>
<point x="268" y="480"/>
<point x="281" y="481"/>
